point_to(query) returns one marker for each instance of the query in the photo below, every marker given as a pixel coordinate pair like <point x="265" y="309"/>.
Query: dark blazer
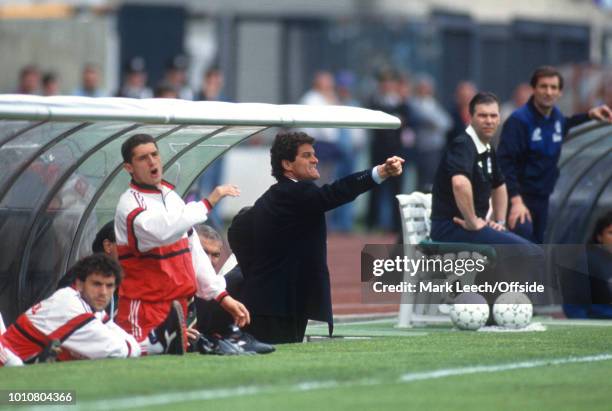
<point x="288" y="276"/>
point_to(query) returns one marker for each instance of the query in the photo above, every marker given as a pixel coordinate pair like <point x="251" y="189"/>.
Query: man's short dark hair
<point x="128" y="145"/>
<point x="483" y="97"/>
<point x="99" y="264"/>
<point x="285" y="147"/>
<point x="107" y="232"/>
<point x="545" y="71"/>
<point x="602" y="223"/>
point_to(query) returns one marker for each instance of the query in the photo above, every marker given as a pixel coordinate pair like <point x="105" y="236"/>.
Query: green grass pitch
<point x="566" y="367"/>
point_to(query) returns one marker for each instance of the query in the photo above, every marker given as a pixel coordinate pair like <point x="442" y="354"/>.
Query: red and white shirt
<point x="160" y="253"/>
<point x="65" y="316"/>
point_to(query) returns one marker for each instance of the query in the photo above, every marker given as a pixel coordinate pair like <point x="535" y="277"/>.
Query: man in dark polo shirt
<point x="467" y="177"/>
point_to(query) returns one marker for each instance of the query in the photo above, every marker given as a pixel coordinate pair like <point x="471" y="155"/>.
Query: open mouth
<point x="154" y="172"/>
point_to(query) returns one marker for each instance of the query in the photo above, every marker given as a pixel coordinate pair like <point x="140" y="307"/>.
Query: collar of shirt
<point x="480" y="147"/>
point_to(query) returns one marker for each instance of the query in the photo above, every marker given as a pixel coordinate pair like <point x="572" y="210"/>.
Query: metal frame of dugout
<point x="60" y="168"/>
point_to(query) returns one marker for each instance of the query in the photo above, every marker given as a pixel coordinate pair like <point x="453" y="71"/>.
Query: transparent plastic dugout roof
<point x="583" y="192"/>
<point x="60" y="168"/>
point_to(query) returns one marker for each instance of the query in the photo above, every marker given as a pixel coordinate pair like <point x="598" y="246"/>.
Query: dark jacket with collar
<point x="530" y="146"/>
<point x="288" y="276"/>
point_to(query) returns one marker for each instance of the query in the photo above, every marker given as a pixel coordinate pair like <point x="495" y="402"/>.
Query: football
<point x="513" y="310"/>
<point x="470" y="311"/>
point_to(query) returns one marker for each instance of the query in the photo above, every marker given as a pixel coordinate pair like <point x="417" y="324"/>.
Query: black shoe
<point x="217" y="345"/>
<point x="202" y="345"/>
<point x="171" y="333"/>
<point x="247" y="342"/>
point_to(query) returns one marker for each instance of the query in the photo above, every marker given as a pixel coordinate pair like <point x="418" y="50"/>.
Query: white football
<point x="470" y="311"/>
<point x="513" y="310"/>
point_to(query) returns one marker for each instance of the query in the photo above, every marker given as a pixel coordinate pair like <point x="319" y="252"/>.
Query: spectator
<point x="135" y="80"/>
<point x="287" y="282"/>
<point x="382" y="209"/>
<point x="165" y="90"/>
<point x="29" y="80"/>
<point x="431" y="132"/>
<point x="50" y="84"/>
<point x="460" y="112"/>
<point x="529" y="150"/>
<point x="90" y="82"/>
<point x="212" y="86"/>
<point x="323" y="93"/>
<point x="176" y="76"/>
<point x="520" y="96"/>
<point x="351" y="142"/>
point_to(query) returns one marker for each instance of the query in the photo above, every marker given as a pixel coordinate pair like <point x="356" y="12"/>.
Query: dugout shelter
<point x="584" y="190"/>
<point x="61" y="169"/>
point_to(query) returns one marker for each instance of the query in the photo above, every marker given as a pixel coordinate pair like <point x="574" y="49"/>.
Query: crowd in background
<point x="427" y="124"/>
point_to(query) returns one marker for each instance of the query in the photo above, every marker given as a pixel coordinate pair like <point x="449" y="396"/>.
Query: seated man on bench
<point x="467" y="178"/>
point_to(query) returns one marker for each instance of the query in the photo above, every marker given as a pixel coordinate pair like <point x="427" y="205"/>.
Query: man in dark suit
<point x="287" y="281"/>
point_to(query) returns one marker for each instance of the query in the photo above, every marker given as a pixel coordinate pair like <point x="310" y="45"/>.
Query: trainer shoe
<point x="203" y="345"/>
<point x="247" y="342"/>
<point x="171" y="333"/>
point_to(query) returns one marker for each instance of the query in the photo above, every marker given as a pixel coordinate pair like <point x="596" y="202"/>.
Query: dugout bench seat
<point x="426" y="308"/>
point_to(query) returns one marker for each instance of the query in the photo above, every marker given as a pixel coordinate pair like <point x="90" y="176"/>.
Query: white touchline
<point x="448" y="372"/>
<point x="221" y="393"/>
<point x="583" y="323"/>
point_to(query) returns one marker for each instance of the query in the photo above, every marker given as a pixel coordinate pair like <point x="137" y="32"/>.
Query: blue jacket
<point x="529" y="149"/>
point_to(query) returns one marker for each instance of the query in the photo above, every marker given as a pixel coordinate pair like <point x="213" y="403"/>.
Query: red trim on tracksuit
<point x="139" y="318"/>
<point x="131" y="232"/>
<point x="168" y="271"/>
<point x="167" y="184"/>
<point x="66" y="330"/>
<point x="207" y="204"/>
<point x="149" y="189"/>
<point x="221" y="296"/>
<point x="26" y="341"/>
